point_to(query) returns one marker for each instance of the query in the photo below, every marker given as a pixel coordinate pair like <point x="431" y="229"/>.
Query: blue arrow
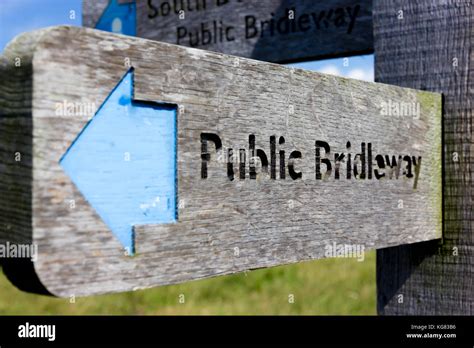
<point x="124" y="162"/>
<point x="118" y="18"/>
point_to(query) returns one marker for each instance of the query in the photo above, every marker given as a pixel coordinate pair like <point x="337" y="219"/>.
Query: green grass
<point x="322" y="287"/>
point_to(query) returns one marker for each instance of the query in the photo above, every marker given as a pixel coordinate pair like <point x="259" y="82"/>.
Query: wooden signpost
<point x="269" y="30"/>
<point x="133" y="163"/>
<point x="428" y="45"/>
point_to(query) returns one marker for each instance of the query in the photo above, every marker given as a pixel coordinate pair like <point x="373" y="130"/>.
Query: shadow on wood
<point x="16" y="164"/>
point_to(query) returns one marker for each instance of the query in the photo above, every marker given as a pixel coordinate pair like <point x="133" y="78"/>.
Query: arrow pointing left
<point x="124" y="162"/>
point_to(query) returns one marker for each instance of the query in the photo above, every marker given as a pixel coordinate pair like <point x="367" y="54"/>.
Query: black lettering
<point x="286" y="28"/>
<point x="317" y="19"/>
<point x="263" y="160"/>
<point x="356" y="166"/>
<point x="408" y="172"/>
<point x="369" y="160"/>
<point x="256" y="153"/>
<point x="206" y="36"/>
<point x="176" y="8"/>
<point x="196" y="41"/>
<point x="273" y="157"/>
<point x="228" y="35"/>
<point x="340" y="19"/>
<point x="393" y="165"/>
<point x="230" y="164"/>
<point x="165" y="9"/>
<point x="250" y="25"/>
<point x="338" y="158"/>
<point x="417" y="164"/>
<point x="291" y="166"/>
<point x="349" y="171"/>
<point x="182" y="32"/>
<point x="190" y="8"/>
<point x="318" y="159"/>
<point x="381" y="164"/>
<point x="252" y="171"/>
<point x="242" y="161"/>
<point x="205" y="155"/>
<point x="281" y="141"/>
<point x="154" y="11"/>
<point x="328" y="18"/>
<point x="362" y="160"/>
<point x="352" y="17"/>
<point x="262" y="28"/>
<point x="303" y="23"/>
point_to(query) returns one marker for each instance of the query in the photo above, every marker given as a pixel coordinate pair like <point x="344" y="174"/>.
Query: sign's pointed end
<point x="127" y="239"/>
<point x="124" y="162"/>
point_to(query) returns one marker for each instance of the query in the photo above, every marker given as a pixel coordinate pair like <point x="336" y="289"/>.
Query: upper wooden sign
<point x="275" y="31"/>
<point x="133" y="163"/>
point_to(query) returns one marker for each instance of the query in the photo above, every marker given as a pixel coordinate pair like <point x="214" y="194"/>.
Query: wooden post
<point x="428" y="45"/>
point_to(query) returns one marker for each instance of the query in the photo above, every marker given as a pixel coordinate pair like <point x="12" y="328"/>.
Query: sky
<point x="358" y="67"/>
<point x="18" y="16"/>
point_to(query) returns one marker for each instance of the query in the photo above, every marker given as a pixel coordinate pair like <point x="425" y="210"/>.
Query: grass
<point x="322" y="287"/>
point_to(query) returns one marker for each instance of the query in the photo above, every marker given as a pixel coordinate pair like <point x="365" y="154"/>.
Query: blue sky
<point x="359" y="67"/>
<point x="18" y="16"/>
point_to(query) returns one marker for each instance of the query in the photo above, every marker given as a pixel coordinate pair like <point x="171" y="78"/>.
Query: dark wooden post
<point x="428" y="45"/>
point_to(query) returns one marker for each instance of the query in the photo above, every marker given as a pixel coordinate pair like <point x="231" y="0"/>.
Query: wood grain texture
<point x="271" y="222"/>
<point x="91" y="11"/>
<point x="254" y="29"/>
<point x="431" y="49"/>
<point x="16" y="160"/>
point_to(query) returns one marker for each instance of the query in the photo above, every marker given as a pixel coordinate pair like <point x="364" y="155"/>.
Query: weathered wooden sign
<point x="275" y="31"/>
<point x="132" y="163"/>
